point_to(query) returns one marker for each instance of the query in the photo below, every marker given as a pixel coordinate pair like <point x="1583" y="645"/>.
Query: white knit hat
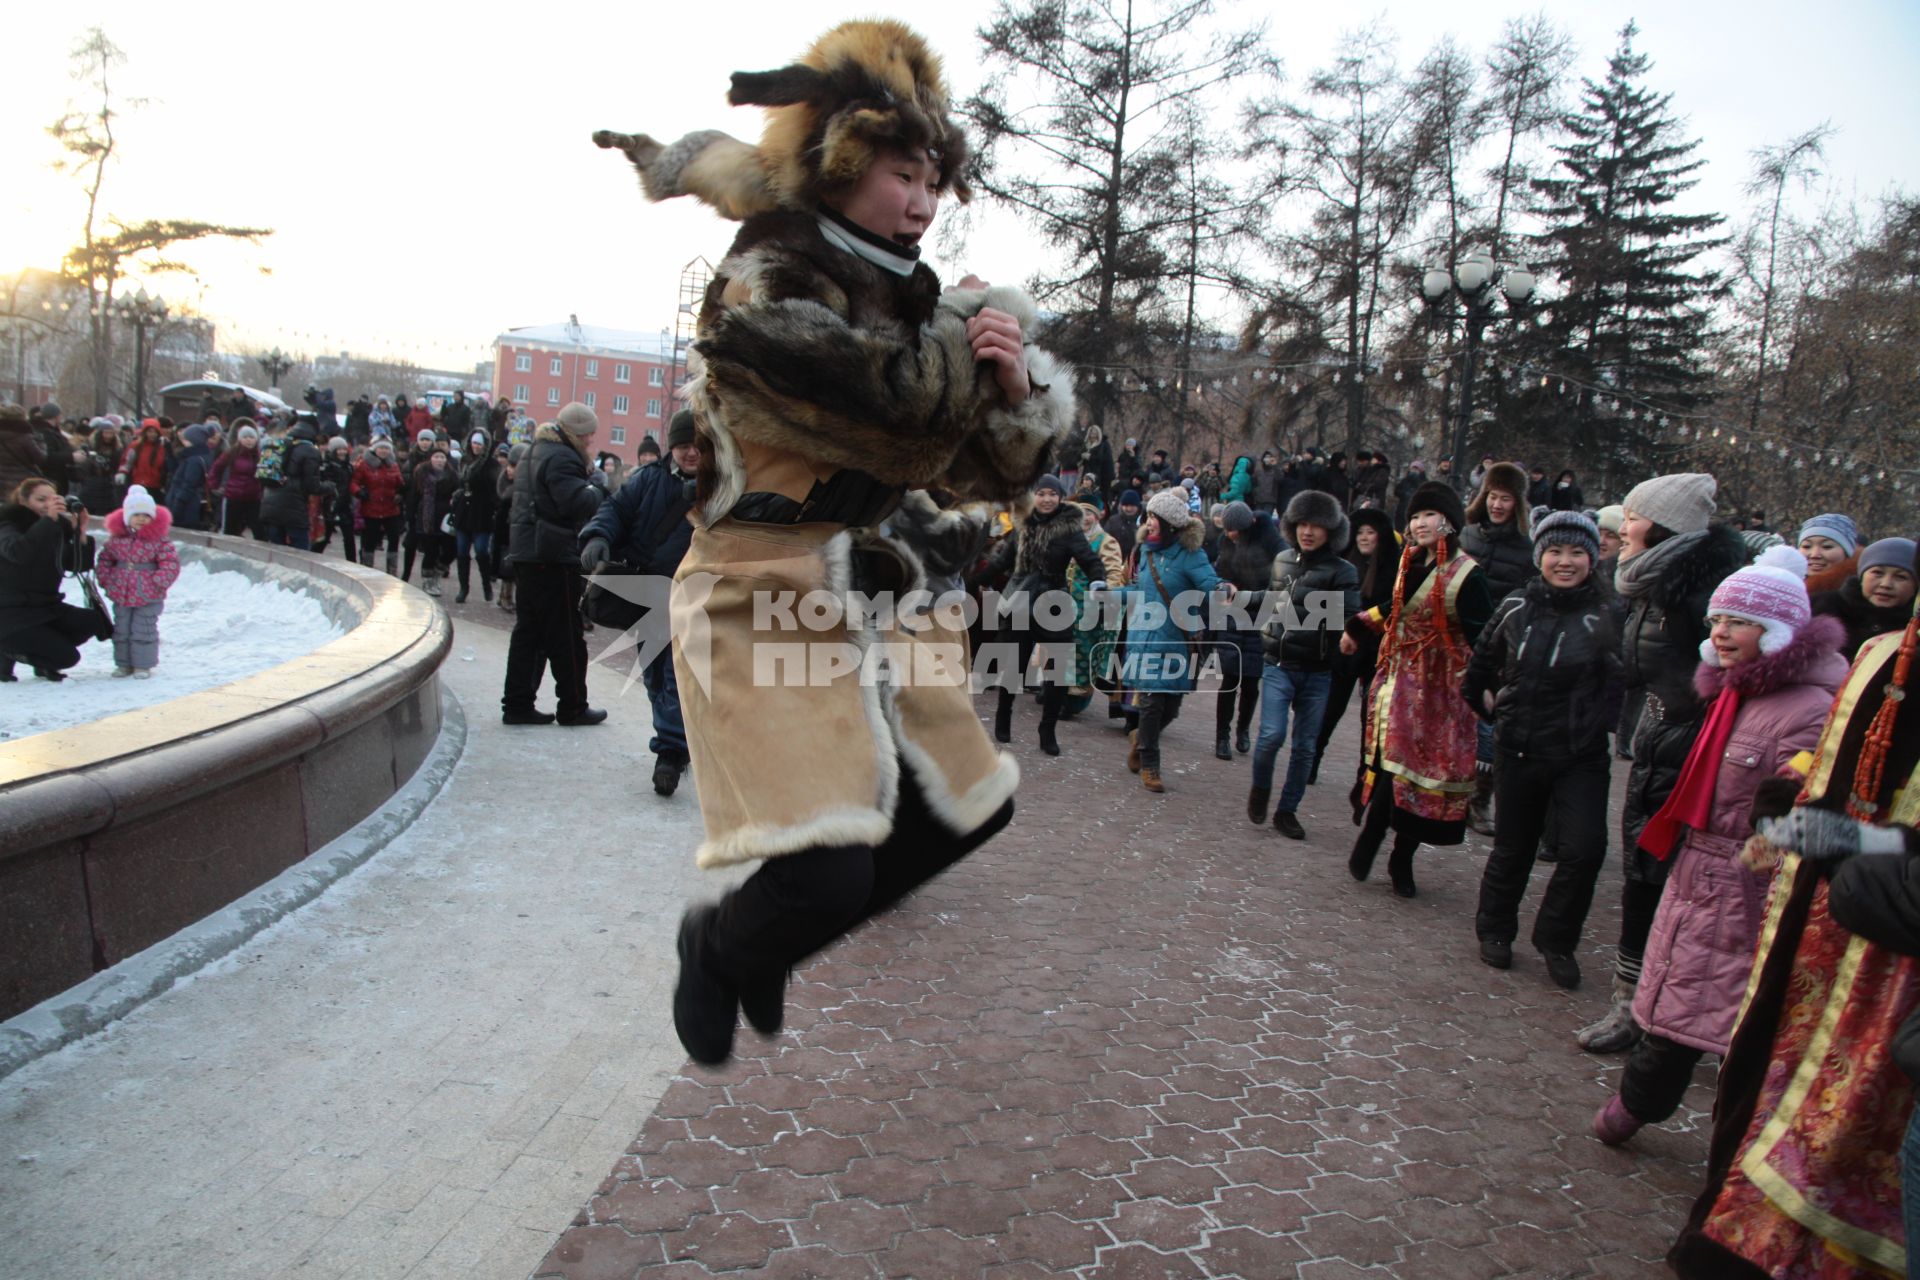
<point x="138" y="502"/>
<point x="1171" y="506"/>
<point x="1682" y="502"/>
<point x="1772" y="591"/>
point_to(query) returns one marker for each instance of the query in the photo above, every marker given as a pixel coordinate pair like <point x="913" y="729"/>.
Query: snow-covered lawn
<point x="217" y="627"/>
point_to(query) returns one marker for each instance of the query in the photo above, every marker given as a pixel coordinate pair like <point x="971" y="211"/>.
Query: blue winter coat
<point x="187" y="490"/>
<point x="1158" y="658"/>
<point x="653" y="498"/>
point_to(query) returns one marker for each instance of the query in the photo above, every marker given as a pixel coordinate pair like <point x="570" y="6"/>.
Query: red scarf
<point x="1691" y="802"/>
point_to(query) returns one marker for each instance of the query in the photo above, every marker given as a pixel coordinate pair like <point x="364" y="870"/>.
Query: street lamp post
<point x="144" y="312"/>
<point x="273" y="364"/>
<point x="1477" y="281"/>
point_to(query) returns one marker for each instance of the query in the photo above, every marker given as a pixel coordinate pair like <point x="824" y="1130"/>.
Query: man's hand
<point x="1348" y="645"/>
<point x="996" y="339"/>
<point x="594" y="554"/>
<point x="1822" y="833"/>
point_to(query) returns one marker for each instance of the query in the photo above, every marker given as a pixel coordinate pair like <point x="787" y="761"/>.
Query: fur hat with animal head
<point x="865" y="86"/>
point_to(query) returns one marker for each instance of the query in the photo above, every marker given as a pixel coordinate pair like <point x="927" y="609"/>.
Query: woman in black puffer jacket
<point x="1500" y="540"/>
<point x="40" y="541"/>
<point x="1038" y="554"/>
<point x="1376" y="554"/>
<point x="1670" y="563"/>
<point x="1245" y="559"/>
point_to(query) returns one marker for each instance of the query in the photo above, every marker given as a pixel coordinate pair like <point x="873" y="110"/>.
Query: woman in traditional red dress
<point x="1420" y="734"/>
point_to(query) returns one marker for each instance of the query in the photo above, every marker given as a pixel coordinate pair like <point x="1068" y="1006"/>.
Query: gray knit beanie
<point x="1681" y="502"/>
<point x="577" y="420"/>
<point x="1566" y="529"/>
<point x="1239" y="517"/>
<point x="1171" y="506"/>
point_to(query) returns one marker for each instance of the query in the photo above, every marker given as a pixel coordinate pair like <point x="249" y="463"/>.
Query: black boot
<point x="706" y="1007"/>
<point x="1242" y="741"/>
<point x="1365" y="850"/>
<point x="1003" y="718"/>
<point x="1400" y="865"/>
<point x="406" y="574"/>
<point x="466" y="577"/>
<point x="666" y="776"/>
<point x="764" y="1002"/>
<point x="6" y="669"/>
<point x="1257" y="805"/>
<point x="486" y="582"/>
<point x="1051" y="702"/>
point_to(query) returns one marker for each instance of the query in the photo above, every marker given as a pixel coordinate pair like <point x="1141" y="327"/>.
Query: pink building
<point x="624" y="376"/>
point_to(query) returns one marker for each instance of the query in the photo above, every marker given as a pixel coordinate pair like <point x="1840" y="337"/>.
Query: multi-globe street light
<point x="1477" y="282"/>
<point x="144" y="312"/>
<point x="273" y="364"/>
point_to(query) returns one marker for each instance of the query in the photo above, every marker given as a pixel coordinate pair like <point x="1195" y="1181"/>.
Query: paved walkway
<point x="1133" y="1036"/>
<point x="1136" y="1036"/>
<point x="424" y="1073"/>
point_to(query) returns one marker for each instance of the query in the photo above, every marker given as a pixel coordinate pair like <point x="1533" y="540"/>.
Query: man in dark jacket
<point x="1314" y="590"/>
<point x="359" y="420"/>
<point x="284" y="516"/>
<point x="1128" y="463"/>
<point x="553" y="499"/>
<point x="22" y="456"/>
<point x="1266" y="484"/>
<point x="1160" y="469"/>
<point x="58" y="448"/>
<point x="1123" y="526"/>
<point x="644" y="526"/>
<point x="457" y="417"/>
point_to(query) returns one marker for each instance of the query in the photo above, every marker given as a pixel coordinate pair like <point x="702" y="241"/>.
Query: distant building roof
<point x="593" y="337"/>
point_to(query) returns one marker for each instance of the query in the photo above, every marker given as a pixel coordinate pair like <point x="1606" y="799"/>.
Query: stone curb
<point x="90" y="1006"/>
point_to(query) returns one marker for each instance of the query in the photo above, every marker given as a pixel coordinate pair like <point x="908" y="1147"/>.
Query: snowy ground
<point x="217" y="627"/>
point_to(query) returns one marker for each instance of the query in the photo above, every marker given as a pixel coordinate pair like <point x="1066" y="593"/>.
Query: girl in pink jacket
<point x="1768" y="674"/>
<point x="135" y="570"/>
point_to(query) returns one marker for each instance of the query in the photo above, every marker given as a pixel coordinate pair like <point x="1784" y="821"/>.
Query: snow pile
<point x="217" y="627"/>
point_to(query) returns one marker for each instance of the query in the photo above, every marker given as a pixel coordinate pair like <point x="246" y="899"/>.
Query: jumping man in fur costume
<point x="831" y="377"/>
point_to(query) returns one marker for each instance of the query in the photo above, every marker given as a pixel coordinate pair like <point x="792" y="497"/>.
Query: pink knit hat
<point x="1771" y="591"/>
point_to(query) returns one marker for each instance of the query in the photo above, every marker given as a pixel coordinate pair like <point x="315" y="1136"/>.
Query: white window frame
<point x="590" y="400"/>
<point x="523" y="363"/>
<point x="593" y="368"/>
<point x="656" y="377"/>
<point x="619" y="404"/>
<point x="623" y="373"/>
<point x="555" y="365"/>
<point x="553" y="395"/>
<point x="618" y="435"/>
<point x="653" y="408"/>
<point x="520" y="393"/>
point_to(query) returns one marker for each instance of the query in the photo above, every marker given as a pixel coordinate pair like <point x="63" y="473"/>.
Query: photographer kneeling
<point x="40" y="540"/>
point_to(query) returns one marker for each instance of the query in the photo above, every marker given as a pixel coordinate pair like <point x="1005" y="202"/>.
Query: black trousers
<point x="1657" y="1075"/>
<point x="1530" y="793"/>
<point x="1639" y="903"/>
<point x="547" y="634"/>
<point x="794" y="905"/>
<point x="1244" y="689"/>
<point x="53" y="645"/>
<point x="1161" y="710"/>
<point x="379" y="529"/>
<point x="1339" y="694"/>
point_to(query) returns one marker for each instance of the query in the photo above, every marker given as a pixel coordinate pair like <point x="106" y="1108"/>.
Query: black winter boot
<point x="486" y="583"/>
<point x="1003" y="718"/>
<point x="1257" y="805"/>
<point x="1400" y="865"/>
<point x="1223" y="749"/>
<point x="706" y="1007"/>
<point x="466" y="576"/>
<point x="1052" y="699"/>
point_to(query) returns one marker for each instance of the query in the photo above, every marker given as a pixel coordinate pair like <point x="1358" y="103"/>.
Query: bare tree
<point x="1524" y="74"/>
<point x="1797" y="160"/>
<point x="103" y="256"/>
<point x="1080" y="127"/>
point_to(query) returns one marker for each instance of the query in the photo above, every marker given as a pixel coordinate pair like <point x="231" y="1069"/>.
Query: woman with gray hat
<point x="1671" y="558"/>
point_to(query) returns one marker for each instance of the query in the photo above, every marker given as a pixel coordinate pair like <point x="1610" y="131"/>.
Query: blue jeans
<point x="1304" y="693"/>
<point x="466" y="544"/>
<point x="669" y="730"/>
<point x="1483" y="742"/>
<point x="281" y="535"/>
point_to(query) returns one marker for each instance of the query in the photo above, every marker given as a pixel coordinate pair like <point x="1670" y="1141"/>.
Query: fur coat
<point x="136" y="569"/>
<point x="824" y="389"/>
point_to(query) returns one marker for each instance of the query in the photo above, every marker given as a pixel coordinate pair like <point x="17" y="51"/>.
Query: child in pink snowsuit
<point x="135" y="570"/>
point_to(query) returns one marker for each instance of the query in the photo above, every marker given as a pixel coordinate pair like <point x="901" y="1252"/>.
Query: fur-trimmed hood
<point x="156" y="529"/>
<point x="863" y="87"/>
<point x="1813" y="657"/>
<point x="1310" y="506"/>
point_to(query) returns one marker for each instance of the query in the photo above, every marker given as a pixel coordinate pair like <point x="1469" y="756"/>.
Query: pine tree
<point x="1629" y="330"/>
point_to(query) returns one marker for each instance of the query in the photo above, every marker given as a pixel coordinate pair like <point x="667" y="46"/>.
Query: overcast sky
<point x="430" y="181"/>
